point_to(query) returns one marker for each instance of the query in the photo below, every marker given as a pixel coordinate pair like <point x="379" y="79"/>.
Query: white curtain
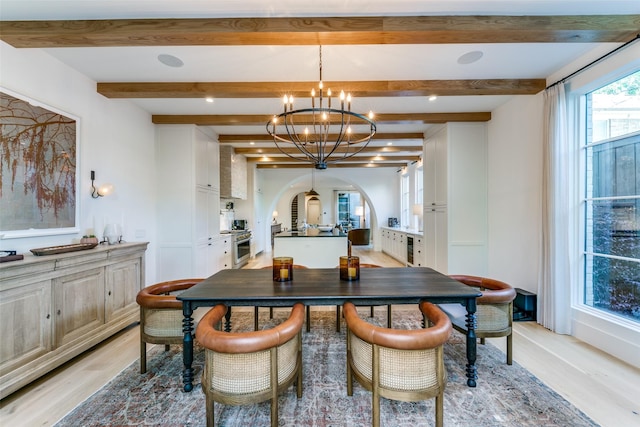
<point x="555" y="275"/>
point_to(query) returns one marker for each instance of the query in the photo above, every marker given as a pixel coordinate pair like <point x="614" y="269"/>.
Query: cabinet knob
<point x="109" y="293"/>
<point x="59" y="312"/>
<point x="48" y="315"/>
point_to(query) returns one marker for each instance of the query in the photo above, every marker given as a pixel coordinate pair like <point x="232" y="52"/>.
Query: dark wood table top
<point x="322" y="286"/>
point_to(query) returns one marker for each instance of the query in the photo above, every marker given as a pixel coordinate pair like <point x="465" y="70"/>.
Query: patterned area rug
<point x="505" y="395"/>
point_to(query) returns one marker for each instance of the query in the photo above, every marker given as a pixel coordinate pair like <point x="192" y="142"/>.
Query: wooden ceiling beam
<point x="320" y="30"/>
<point x="368" y="149"/>
<point x="360" y="89"/>
<point x="265" y="138"/>
<point x="356" y="159"/>
<point x="263" y="119"/>
<point x="300" y="165"/>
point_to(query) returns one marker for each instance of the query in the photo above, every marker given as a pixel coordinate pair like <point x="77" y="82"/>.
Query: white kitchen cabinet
<point x="455" y="198"/>
<point x="188" y="207"/>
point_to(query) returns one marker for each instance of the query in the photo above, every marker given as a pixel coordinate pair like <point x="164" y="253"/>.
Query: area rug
<point x="505" y="395"/>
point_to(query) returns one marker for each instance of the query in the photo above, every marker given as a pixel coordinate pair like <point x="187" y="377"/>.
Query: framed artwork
<point x="38" y="158"/>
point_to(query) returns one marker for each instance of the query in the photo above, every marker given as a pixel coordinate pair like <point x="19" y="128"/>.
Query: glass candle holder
<point x="282" y="269"/>
<point x="349" y="268"/>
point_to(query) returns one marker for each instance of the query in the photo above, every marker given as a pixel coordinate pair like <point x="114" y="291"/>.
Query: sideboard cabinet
<point x="54" y="307"/>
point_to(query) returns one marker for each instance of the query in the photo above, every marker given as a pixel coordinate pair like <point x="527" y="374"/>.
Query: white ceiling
<point x="300" y="63"/>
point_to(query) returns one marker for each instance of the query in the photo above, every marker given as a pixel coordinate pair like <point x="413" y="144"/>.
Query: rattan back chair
<point x="494" y="314"/>
<point x="250" y="367"/>
<point x="256" y="309"/>
<point x="405" y="365"/>
<point x="161" y="315"/>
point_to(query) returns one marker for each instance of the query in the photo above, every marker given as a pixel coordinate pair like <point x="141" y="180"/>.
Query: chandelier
<point x="321" y="134"/>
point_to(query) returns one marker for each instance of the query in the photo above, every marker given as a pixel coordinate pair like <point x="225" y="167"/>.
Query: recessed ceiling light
<point x="470" y="57"/>
<point x="209" y="99"/>
<point x="389" y="143"/>
<point x="252" y="143"/>
<point x="433" y="98"/>
<point x="170" y="60"/>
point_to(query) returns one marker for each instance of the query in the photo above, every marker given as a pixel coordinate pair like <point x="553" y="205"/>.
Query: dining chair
<point x="256" y="309"/>
<point x="494" y="314"/>
<point x="161" y="315"/>
<point x="250" y="367"/>
<point x="405" y="365"/>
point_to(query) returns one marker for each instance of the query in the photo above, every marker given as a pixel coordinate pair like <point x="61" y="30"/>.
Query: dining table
<point x="323" y="286"/>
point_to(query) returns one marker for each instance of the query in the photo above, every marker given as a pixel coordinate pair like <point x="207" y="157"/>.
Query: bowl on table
<point x="325" y="227"/>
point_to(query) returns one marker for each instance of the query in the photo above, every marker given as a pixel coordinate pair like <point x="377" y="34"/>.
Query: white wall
<point x="116" y="140"/>
<point x="514" y="191"/>
<point x="378" y="185"/>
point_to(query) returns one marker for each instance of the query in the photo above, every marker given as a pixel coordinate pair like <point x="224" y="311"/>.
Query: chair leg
<point x="337" y="318"/>
<point x="270" y="312"/>
<point x="167" y="347"/>
<point x="439" y="409"/>
<point x="255" y="318"/>
<point x="308" y="319"/>
<point x="371" y="311"/>
<point x="209" y="411"/>
<point x="143" y="357"/>
<point x="482" y="341"/>
<point x="375" y="407"/>
<point x="509" y="349"/>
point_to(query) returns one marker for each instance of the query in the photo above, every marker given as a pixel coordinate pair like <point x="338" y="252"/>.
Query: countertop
<point x="308" y="233"/>
<point x="405" y="230"/>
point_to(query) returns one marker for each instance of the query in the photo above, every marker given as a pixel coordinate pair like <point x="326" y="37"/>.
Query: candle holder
<point x="349" y="268"/>
<point x="282" y="269"/>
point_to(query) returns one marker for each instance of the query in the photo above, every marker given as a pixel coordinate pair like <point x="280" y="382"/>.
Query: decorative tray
<point x="6" y="256"/>
<point x="63" y="248"/>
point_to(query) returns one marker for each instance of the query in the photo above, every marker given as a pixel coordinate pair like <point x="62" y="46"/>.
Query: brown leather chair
<point x="359" y="236"/>
<point x="161" y="315"/>
<point x="273" y="355"/>
<point x="256" y="309"/>
<point x="494" y="312"/>
<point x="405" y="365"/>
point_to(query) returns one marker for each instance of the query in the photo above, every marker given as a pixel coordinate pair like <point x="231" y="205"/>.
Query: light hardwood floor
<point x="603" y="387"/>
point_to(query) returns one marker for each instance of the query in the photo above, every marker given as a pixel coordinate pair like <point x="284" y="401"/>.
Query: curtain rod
<point x="606" y="55"/>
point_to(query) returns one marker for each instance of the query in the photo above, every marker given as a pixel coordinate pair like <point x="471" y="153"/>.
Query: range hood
<point x="233" y="174"/>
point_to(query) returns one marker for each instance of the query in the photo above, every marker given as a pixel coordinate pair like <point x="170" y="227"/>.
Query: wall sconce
<point x="101" y="191"/>
<point x="275" y="216"/>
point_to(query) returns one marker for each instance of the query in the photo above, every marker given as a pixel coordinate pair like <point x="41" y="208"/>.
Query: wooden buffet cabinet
<point x="54" y="307"/>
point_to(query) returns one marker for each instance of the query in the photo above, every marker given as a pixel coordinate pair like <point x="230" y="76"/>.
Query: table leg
<point x="187" y="346"/>
<point x="472" y="373"/>
<point x="227" y="320"/>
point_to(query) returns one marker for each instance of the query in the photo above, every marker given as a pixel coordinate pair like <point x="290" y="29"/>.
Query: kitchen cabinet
<point x="54" y="307"/>
<point x="455" y="198"/>
<point x="394" y="243"/>
<point x="188" y="202"/>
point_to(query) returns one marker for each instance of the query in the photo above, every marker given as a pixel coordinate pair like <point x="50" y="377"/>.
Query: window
<point x="404" y="214"/>
<point x="611" y="257"/>
<point x="419" y="186"/>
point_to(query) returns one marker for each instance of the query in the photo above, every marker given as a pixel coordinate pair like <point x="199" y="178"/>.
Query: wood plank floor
<point x="600" y="385"/>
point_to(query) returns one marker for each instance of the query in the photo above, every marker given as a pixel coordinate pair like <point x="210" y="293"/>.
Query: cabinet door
<point x="25" y="324"/>
<point x="226" y="260"/>
<point x="435" y="169"/>
<point x="207" y="161"/>
<point x="78" y="303"/>
<point x="122" y="287"/>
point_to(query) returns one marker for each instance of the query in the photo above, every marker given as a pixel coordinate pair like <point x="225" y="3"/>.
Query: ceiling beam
<point x="360" y="89"/>
<point x="262" y="119"/>
<point x="354" y="159"/>
<point x="300" y="165"/>
<point x="368" y="149"/>
<point x="265" y="138"/>
<point x="321" y="31"/>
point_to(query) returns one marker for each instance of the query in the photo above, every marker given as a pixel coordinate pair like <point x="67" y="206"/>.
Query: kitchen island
<point x="311" y="248"/>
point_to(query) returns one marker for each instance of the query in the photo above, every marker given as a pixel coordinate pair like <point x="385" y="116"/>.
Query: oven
<point x="241" y="248"/>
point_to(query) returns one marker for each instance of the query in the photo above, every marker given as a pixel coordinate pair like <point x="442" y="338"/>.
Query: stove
<point x="241" y="243"/>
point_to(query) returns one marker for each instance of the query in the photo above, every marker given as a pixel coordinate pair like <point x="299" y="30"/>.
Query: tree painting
<point x="37" y="165"/>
